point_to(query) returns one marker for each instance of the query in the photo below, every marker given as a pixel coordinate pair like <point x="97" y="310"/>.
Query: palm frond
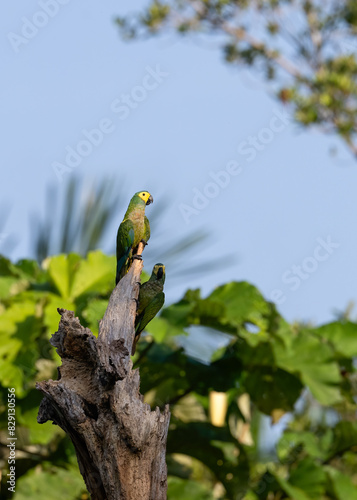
<point x="85" y="218"/>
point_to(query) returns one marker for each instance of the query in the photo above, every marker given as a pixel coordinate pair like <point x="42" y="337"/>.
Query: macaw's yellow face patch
<point x="145" y="196"/>
<point x="159" y="270"/>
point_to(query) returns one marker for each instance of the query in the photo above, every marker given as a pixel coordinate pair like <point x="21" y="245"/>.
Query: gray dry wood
<point x="120" y="442"/>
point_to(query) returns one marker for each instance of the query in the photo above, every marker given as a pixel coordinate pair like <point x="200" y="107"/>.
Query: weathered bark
<point x="120" y="443"/>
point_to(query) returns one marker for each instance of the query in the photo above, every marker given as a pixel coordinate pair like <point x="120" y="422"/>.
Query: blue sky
<point x="285" y="207"/>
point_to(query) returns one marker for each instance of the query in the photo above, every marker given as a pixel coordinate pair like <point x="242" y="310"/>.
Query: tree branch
<point x="120" y="443"/>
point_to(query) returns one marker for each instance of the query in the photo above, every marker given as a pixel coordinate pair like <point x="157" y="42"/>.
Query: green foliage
<point x="309" y="372"/>
<point x="180" y="489"/>
<point x="50" y="482"/>
<point x="311" y="63"/>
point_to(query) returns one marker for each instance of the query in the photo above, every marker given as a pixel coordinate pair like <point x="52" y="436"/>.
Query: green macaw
<point x="134" y="228"/>
<point x="150" y="301"/>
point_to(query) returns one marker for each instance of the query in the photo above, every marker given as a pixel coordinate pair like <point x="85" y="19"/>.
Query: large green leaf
<point x="313" y="445"/>
<point x="293" y="492"/>
<point x="178" y="314"/>
<point x="7" y="268"/>
<point x="161" y="329"/>
<point x="51" y="317"/>
<point x="309" y="477"/>
<point x="344" y="437"/>
<point x="94" y="312"/>
<point x="12" y="376"/>
<point x="18" y="352"/>
<point x="29" y="269"/>
<point x="95" y="274"/>
<point x="342" y="485"/>
<point x="183" y="489"/>
<point x="74" y="276"/>
<point x="9" y="285"/>
<point x="50" y="484"/>
<point x="342" y="335"/>
<point x="314" y="361"/>
<point x="26" y="418"/>
<point x="242" y="303"/>
<point x="23" y="269"/>
<point x="272" y="389"/>
<point x="213" y="446"/>
<point x="61" y="270"/>
<point x="16" y="313"/>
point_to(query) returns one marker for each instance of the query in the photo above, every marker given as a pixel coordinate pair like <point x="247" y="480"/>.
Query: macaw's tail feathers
<point x="122" y="268"/>
<point x="133" y="349"/>
<point x="125" y="240"/>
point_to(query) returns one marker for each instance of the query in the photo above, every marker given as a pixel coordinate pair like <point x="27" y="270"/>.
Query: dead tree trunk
<point x="120" y="443"/>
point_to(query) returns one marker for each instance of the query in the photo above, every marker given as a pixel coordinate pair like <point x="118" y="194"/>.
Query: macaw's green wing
<point x="147" y="293"/>
<point x="147" y="315"/>
<point x="125" y="241"/>
<point x="147" y="229"/>
<point x="149" y="312"/>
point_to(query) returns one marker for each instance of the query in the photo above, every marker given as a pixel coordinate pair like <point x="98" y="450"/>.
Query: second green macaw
<point x="134" y="228"/>
<point x="150" y="301"/>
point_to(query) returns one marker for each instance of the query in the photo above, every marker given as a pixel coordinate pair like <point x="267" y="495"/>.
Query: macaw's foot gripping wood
<point x="120" y="443"/>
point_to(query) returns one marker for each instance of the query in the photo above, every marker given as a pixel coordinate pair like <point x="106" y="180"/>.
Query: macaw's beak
<point x="160" y="273"/>
<point x="150" y="200"/>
